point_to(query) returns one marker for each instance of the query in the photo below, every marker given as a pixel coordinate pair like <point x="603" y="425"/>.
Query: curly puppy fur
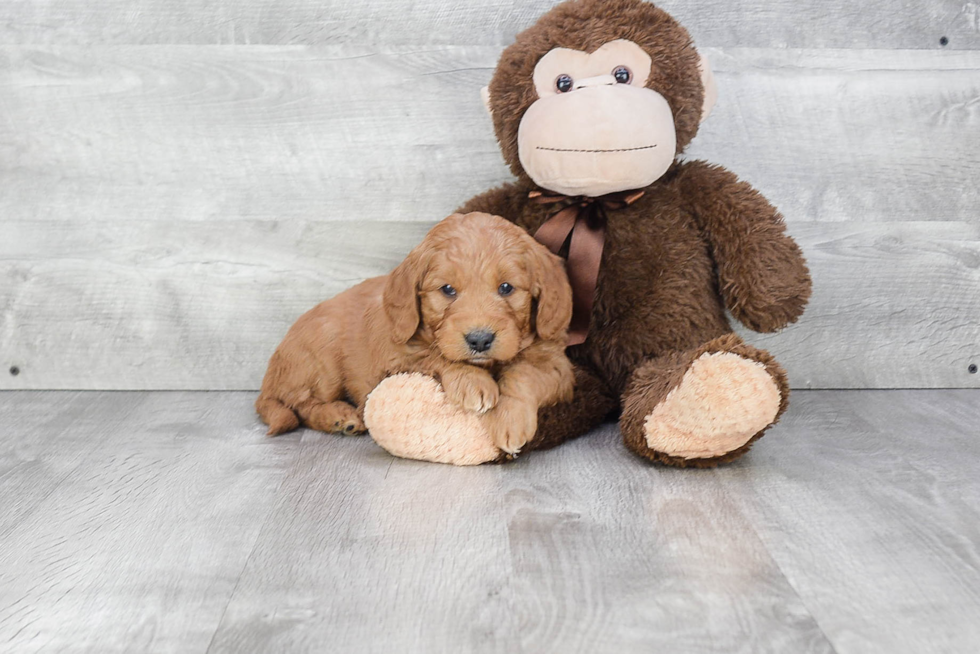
<point x="697" y="242"/>
<point x="417" y="319"/>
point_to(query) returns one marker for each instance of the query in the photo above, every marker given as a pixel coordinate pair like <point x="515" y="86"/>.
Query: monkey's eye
<point x="505" y="289"/>
<point x="622" y="75"/>
<point x="448" y="291"/>
<point x="563" y="83"/>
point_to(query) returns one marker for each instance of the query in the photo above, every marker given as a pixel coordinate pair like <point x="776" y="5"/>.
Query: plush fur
<point x="698" y="242"/>
<point x="408" y="321"/>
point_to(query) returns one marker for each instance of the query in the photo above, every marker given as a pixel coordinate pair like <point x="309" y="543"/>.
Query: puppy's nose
<point x="480" y="340"/>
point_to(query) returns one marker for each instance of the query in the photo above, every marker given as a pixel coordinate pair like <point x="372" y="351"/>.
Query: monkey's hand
<point x="769" y="302"/>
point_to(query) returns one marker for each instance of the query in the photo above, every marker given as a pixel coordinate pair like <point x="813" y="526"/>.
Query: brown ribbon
<point x="585" y="219"/>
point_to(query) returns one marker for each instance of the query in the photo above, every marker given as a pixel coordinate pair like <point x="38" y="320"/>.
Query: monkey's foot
<point x="722" y="402"/>
<point x="410" y="416"/>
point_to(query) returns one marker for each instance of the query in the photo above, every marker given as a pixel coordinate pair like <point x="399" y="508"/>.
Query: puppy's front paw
<point x="512" y="424"/>
<point x="472" y="390"/>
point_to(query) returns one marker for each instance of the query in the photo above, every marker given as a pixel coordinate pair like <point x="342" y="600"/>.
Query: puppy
<point x="479" y="305"/>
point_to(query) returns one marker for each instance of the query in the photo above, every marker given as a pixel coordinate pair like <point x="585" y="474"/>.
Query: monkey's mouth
<point x="642" y="147"/>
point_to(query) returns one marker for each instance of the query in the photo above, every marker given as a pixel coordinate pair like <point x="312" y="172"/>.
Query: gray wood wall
<point x="179" y="181"/>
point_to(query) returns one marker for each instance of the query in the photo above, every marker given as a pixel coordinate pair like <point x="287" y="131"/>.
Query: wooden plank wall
<point x="178" y="182"/>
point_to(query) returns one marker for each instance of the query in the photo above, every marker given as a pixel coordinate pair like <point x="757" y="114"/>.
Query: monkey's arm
<point x="763" y="276"/>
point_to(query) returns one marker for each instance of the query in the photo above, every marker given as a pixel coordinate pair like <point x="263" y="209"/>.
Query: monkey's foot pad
<point x="410" y="416"/>
<point x="722" y="402"/>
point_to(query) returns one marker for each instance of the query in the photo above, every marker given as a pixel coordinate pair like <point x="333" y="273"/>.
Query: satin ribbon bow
<point x="583" y="218"/>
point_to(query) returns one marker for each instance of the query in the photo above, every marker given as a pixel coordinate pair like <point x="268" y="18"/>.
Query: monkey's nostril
<point x="480" y="340"/>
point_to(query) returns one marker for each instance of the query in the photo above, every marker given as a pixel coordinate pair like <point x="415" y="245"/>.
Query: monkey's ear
<point x="485" y="94"/>
<point x="710" y="87"/>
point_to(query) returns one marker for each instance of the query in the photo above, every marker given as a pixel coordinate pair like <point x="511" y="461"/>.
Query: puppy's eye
<point x="622" y="75"/>
<point x="505" y="289"/>
<point x="448" y="291"/>
<point x="563" y="83"/>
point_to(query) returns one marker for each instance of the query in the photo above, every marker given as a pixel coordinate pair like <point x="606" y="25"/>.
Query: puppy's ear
<point x="400" y="297"/>
<point x="551" y="290"/>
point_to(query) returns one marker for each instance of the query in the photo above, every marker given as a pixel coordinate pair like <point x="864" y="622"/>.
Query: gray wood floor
<point x="166" y="522"/>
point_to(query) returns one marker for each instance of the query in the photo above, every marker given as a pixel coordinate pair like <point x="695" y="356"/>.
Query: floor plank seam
<point x="248" y="559"/>
<point x="782" y="572"/>
<point x="231" y="595"/>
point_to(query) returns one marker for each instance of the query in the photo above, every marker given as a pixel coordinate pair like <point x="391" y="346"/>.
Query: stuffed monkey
<point x="592" y="107"/>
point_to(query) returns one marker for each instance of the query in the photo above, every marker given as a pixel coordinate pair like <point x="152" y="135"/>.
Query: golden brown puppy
<point x="479" y="305"/>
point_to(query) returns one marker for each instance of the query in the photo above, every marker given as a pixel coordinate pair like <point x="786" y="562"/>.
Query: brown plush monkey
<point x="591" y="106"/>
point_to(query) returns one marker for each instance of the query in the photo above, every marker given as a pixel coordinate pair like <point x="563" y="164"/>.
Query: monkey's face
<point x="598" y="96"/>
<point x="595" y="127"/>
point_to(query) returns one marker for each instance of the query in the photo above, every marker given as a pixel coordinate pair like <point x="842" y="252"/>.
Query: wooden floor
<point x="166" y="522"/>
